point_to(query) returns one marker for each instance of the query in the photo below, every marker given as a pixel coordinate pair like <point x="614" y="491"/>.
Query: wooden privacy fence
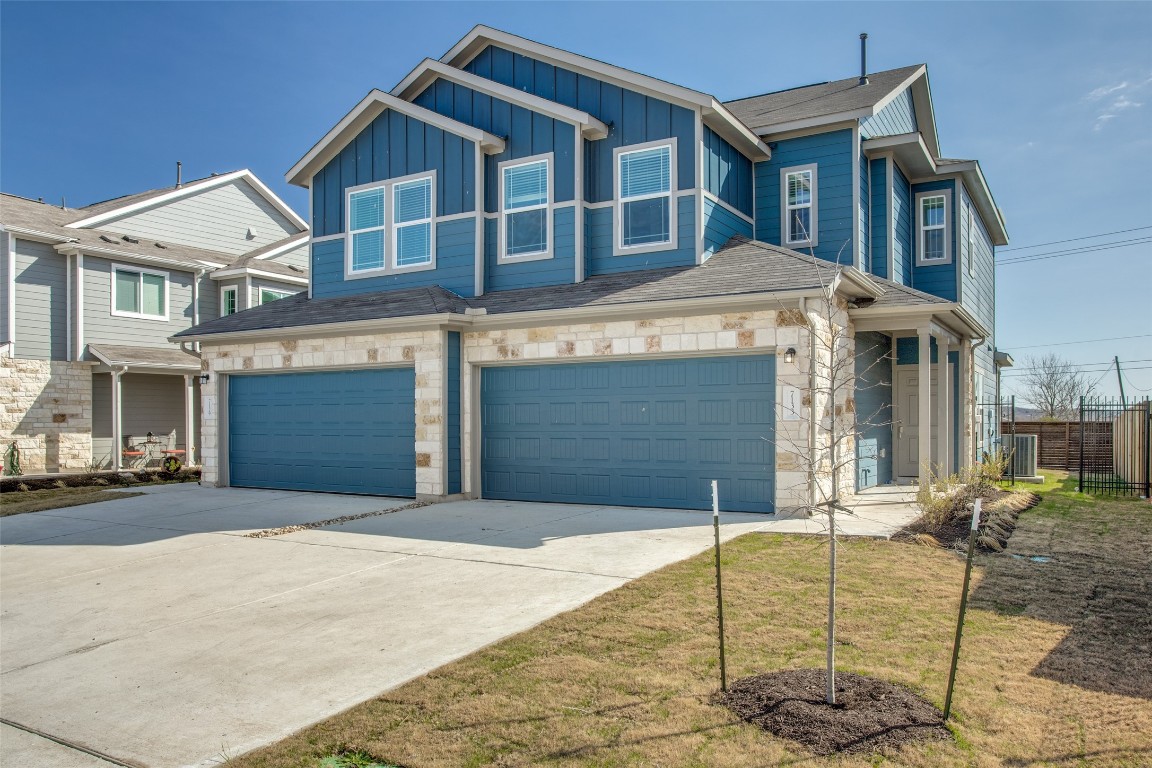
<point x="1058" y="442"/>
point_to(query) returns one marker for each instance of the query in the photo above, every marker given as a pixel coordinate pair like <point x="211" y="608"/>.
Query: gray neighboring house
<point x="91" y="296"/>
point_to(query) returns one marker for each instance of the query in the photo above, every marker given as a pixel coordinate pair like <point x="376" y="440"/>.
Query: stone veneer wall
<point x="425" y="350"/>
<point x="46" y="408"/>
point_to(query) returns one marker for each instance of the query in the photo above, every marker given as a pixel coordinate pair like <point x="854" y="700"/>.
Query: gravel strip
<point x="333" y="521"/>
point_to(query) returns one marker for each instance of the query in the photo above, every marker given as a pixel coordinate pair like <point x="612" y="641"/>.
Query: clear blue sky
<point x="1055" y="100"/>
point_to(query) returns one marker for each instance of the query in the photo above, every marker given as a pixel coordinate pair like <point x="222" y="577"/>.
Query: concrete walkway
<point x="877" y="513"/>
<point x="150" y="629"/>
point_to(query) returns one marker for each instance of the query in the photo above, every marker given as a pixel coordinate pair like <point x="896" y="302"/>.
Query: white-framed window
<point x="932" y="228"/>
<point x="139" y="292"/>
<point x="271" y="294"/>
<point x="526" y="209"/>
<point x="228" y="300"/>
<point x="645" y="199"/>
<point x="799" y="219"/>
<point x="391" y="226"/>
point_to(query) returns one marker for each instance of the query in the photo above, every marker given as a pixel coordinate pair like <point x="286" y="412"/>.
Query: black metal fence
<point x="1114" y="457"/>
<point x="996" y="432"/>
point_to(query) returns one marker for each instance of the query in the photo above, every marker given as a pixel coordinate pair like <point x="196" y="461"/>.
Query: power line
<point x="1138" y="389"/>
<point x="1085" y="341"/>
<point x="1016" y="369"/>
<point x="1078" y="249"/>
<point x="1095" y="370"/>
<point x="1073" y="239"/>
<point x="1044" y="256"/>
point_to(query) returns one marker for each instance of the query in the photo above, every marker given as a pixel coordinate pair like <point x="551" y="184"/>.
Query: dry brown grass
<point x="19" y="502"/>
<point x="1055" y="667"/>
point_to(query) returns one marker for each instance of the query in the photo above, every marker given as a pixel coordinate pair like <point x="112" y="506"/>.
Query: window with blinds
<point x="524" y="206"/>
<point x="139" y="293"/>
<point x="933" y="223"/>
<point x="390" y="226"/>
<point x="799" y="206"/>
<point x="645" y="200"/>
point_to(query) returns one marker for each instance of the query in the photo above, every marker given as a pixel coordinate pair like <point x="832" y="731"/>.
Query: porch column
<point x="966" y="423"/>
<point x="117" y="421"/>
<point x="924" y="405"/>
<point x="943" y="412"/>
<point x="189" y="420"/>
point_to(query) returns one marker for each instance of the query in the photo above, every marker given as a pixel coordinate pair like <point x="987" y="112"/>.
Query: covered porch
<point x="146" y="406"/>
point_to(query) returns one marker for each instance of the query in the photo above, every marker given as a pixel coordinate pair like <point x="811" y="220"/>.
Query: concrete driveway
<point x="152" y="631"/>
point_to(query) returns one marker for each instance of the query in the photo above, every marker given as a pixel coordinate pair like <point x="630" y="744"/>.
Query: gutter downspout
<point x="197" y="276"/>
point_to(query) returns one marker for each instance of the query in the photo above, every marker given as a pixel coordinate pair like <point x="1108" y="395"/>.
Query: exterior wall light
<point x="790" y="355"/>
<point x="203" y="378"/>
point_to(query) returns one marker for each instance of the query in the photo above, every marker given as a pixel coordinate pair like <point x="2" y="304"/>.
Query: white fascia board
<point x="862" y="282"/>
<point x="899" y="89"/>
<point x="224" y="274"/>
<point x="430" y="69"/>
<point x="195" y="188"/>
<point x="25" y="233"/>
<point x="296" y="241"/>
<point x="925" y="112"/>
<point x="720" y="119"/>
<point x="481" y="36"/>
<point x="950" y="317"/>
<point x="364" y="113"/>
<point x="908" y="148"/>
<point x="71" y="248"/>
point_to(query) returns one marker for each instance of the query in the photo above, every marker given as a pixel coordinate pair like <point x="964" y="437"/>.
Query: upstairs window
<point x="798" y="205"/>
<point x="391" y="226"/>
<point x="228" y="304"/>
<point x="932" y="215"/>
<point x="267" y="295"/>
<point x="644" y="198"/>
<point x="524" y="205"/>
<point x="412" y="223"/>
<point x="139" y="293"/>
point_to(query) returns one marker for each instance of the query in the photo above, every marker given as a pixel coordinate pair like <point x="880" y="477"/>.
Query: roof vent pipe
<point x="179" y="168"/>
<point x="863" y="58"/>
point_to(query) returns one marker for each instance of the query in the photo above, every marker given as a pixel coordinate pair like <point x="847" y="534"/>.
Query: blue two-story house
<point x="537" y="276"/>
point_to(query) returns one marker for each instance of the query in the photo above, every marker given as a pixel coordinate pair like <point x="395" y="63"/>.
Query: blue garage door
<point x="341" y="431"/>
<point x="640" y="434"/>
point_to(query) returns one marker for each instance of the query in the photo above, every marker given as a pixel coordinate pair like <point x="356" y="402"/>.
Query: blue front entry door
<point x="340" y="431"/>
<point x="640" y="434"/>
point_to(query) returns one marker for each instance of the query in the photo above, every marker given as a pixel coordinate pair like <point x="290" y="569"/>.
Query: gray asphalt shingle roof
<point x="741" y="267"/>
<point x="166" y="357"/>
<point x="136" y="197"/>
<point x="769" y="109"/>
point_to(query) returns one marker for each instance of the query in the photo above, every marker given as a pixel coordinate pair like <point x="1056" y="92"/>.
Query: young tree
<point x="1053" y="385"/>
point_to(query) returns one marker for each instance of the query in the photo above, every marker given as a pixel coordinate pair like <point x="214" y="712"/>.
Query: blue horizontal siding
<point x="902" y="225"/>
<point x="559" y="269"/>
<point x="391" y="146"/>
<point x="979" y="289"/>
<point x="721" y="224"/>
<point x="878" y="255"/>
<point x="899" y="117"/>
<point x="599" y="234"/>
<point x="832" y="152"/>
<point x="632" y="117"/>
<point x="455" y="260"/>
<point x="937" y="279"/>
<point x="528" y="133"/>
<point x="727" y="173"/>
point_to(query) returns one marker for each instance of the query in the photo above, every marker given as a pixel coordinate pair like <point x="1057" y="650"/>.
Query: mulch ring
<point x="1004" y="506"/>
<point x="868" y="716"/>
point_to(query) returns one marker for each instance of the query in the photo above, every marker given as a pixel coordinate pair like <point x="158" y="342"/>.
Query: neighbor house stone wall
<point x="46" y="409"/>
<point x="763" y="331"/>
<point x="421" y="349"/>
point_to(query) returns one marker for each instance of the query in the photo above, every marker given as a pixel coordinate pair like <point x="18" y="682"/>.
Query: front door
<point x="908" y="420"/>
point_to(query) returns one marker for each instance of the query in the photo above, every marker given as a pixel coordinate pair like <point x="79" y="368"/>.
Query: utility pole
<point x="1120" y="381"/>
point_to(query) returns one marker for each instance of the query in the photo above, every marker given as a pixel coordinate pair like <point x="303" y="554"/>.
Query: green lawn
<point x="19" y="502"/>
<point x="1056" y="668"/>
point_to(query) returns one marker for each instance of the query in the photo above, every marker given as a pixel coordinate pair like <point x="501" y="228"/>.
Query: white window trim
<point x="389" y="267"/>
<point x="814" y="230"/>
<point x="501" y="216"/>
<point x="260" y="293"/>
<point x="141" y="271"/>
<point x="618" y="247"/>
<point x="920" y="230"/>
<point x="224" y="290"/>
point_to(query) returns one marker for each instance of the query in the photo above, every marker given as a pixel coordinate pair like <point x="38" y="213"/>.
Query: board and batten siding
<point x="41" y="302"/>
<point x="102" y="327"/>
<point x="873" y="409"/>
<point x="391" y="146"/>
<point x="878" y="221"/>
<point x="902" y="221"/>
<point x="727" y="173"/>
<point x="863" y="241"/>
<point x="897" y="118"/>
<point x="528" y="134"/>
<point x="720" y="224"/>
<point x="832" y="154"/>
<point x="557" y="270"/>
<point x="217" y="219"/>
<point x="455" y="265"/>
<point x="631" y="117"/>
<point x="152" y="403"/>
<point x="600" y="230"/>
